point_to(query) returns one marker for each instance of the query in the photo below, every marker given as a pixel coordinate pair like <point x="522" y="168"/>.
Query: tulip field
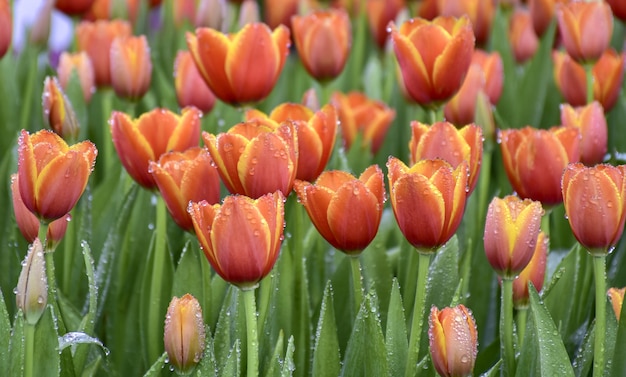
<point x="313" y="188"/>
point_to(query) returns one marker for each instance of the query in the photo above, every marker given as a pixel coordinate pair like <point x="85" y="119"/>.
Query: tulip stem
<point x="418" y="314"/>
<point x="155" y="315"/>
<point x="49" y="257"/>
<point x="29" y="357"/>
<point x="252" y="336"/>
<point x="107" y="143"/>
<point x="356" y="282"/>
<point x="522" y="315"/>
<point x="589" y="81"/>
<point x="506" y="327"/>
<point x="599" y="271"/>
<point x="484" y="179"/>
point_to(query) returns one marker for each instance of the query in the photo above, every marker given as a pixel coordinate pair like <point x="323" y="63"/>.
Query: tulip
<point x="243" y="67"/>
<point x="212" y="14"/>
<point x="145" y="139"/>
<point x="585" y="28"/>
<point x="617" y="298"/>
<point x="619" y="8"/>
<point x="443" y="140"/>
<point x="594" y="200"/>
<point x="591" y="122"/>
<point x="248" y="13"/>
<point x="511" y="231"/>
<point x="434" y="57"/>
<point x="254" y="159"/>
<point x="534" y="160"/>
<point x="6" y="27"/>
<point x="52" y="175"/>
<point x="360" y="114"/>
<point x="81" y="64"/>
<point x="32" y="286"/>
<point x="39" y="33"/>
<point x="183" y="177"/>
<point x="524" y="42"/>
<point x="481" y="13"/>
<point x="316" y="134"/>
<point x="241" y="238"/>
<point x="534" y="272"/>
<point x="428" y="200"/>
<point x="58" y="111"/>
<point x="379" y="14"/>
<point x="191" y="90"/>
<point x="492" y="66"/>
<point x="345" y="210"/>
<point x="131" y="68"/>
<point x="279" y="12"/>
<point x="184" y="334"/>
<point x="28" y="224"/>
<point x="73" y="7"/>
<point x="608" y="73"/>
<point x="95" y="39"/>
<point x="453" y="340"/>
<point x="542" y="13"/>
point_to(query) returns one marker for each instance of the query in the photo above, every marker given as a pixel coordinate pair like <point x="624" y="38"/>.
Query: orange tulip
<point x="52" y="175"/>
<point x="511" y="231"/>
<point x="323" y="40"/>
<point x="591" y="122"/>
<point x="131" y="68"/>
<point x="345" y="210"/>
<point x="586" y="29"/>
<point x="428" y="200"/>
<point x="608" y="73"/>
<point x="542" y="13"/>
<point x="534" y="160"/>
<point x="524" y="42"/>
<point x="184" y="334"/>
<point x="183" y="177"/>
<point x="619" y="8"/>
<point x="58" y="111"/>
<point x="6" y="27"/>
<point x="379" y="14"/>
<point x="191" y="90"/>
<point x="254" y="159"/>
<point x="145" y="139"/>
<point x="316" y="134"/>
<point x="28" y="224"/>
<point x="594" y="199"/>
<point x="534" y="272"/>
<point x="241" y="238"/>
<point x="243" y="67"/>
<point x="277" y="12"/>
<point x="480" y="12"/>
<point x="95" y="39"/>
<point x="434" y="57"/>
<point x="443" y="140"/>
<point x="616" y="296"/>
<point x="81" y="64"/>
<point x="360" y="114"/>
<point x="453" y="341"/>
<point x="73" y="7"/>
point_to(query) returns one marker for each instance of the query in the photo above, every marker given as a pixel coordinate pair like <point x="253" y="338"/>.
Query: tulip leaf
<point x="156" y="368"/>
<point x="193" y="276"/>
<point x="208" y="365"/>
<point x="494" y="371"/>
<point x="5" y="335"/>
<point x="584" y="356"/>
<point x="17" y="346"/>
<point x="374" y="83"/>
<point x="343" y="303"/>
<point x="232" y="363"/>
<point x="47" y="353"/>
<point x="366" y="353"/>
<point x="231" y="327"/>
<point x="326" y="358"/>
<point x="274" y="365"/>
<point x="543" y="353"/>
<point x="396" y="333"/>
<point x="618" y="361"/>
<point x="289" y="364"/>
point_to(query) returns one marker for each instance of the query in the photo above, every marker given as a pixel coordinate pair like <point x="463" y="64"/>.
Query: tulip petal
<point x="414" y="72"/>
<point x="209" y="50"/>
<point x="225" y="151"/>
<point x="133" y="149"/>
<point x="451" y="66"/>
<point x="316" y="200"/>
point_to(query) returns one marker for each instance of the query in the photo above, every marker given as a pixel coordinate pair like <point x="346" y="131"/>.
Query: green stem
<point x="589" y="81"/>
<point x="358" y="52"/>
<point x="155" y="318"/>
<point x="435" y="114"/>
<point x="522" y="315"/>
<point x="252" y="335"/>
<point x="356" y="282"/>
<point x="107" y="143"/>
<point x="484" y="179"/>
<point x="599" y="272"/>
<point x="29" y="358"/>
<point x="265" y="293"/>
<point x="545" y="222"/>
<point x="418" y="314"/>
<point x="27" y="100"/>
<point x="506" y="327"/>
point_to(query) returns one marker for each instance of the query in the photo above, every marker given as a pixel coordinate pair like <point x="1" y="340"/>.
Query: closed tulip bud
<point x="39" y="33"/>
<point x="511" y="231"/>
<point x="594" y="199"/>
<point x="184" y="333"/>
<point x="73" y="7"/>
<point x="241" y="238"/>
<point x="453" y="341"/>
<point x="480" y="12"/>
<point x="433" y="56"/>
<point x="591" y="122"/>
<point x="32" y="285"/>
<point x="52" y="175"/>
<point x="534" y="272"/>
<point x="146" y="138"/>
<point x="6" y="27"/>
<point x="131" y="68"/>
<point x="578" y="21"/>
<point x="619" y="8"/>
<point x="243" y="67"/>
<point x="345" y="210"/>
<point x="191" y="90"/>
<point x="443" y="140"/>
<point x="80" y="64"/>
<point x="254" y="158"/>
<point x="58" y="112"/>
<point x="616" y="296"/>
<point x="183" y="177"/>
<point x="534" y="160"/>
<point x="360" y="114"/>
<point x="524" y="42"/>
<point x="379" y="14"/>
<point x="428" y="200"/>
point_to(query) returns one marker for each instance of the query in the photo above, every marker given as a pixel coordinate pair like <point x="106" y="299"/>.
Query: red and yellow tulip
<point x="191" y="90"/>
<point x="591" y="122"/>
<point x="81" y="64"/>
<point x="58" y="111"/>
<point x="379" y="14"/>
<point x="585" y="29"/>
<point x="131" y="68"/>
<point x="453" y="341"/>
<point x="481" y="14"/>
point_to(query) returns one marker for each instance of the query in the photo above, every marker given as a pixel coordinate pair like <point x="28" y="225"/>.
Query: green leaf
<point x="289" y="365"/>
<point x="366" y="353"/>
<point x="274" y="368"/>
<point x="232" y="363"/>
<point x="17" y="351"/>
<point x="157" y="367"/>
<point x="494" y="371"/>
<point x="231" y="327"/>
<point x="47" y="356"/>
<point x="88" y="322"/>
<point x="193" y="276"/>
<point x="5" y="335"/>
<point x="326" y="358"/>
<point x="618" y="361"/>
<point x="543" y="353"/>
<point x="584" y="357"/>
<point x="396" y="334"/>
<point x="208" y="365"/>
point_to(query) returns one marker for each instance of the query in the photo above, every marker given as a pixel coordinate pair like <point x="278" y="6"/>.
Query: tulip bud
<point x="184" y="333"/>
<point x="131" y="67"/>
<point x="191" y="90"/>
<point x="453" y="341"/>
<point x="617" y="298"/>
<point x="80" y="63"/>
<point x="32" y="286"/>
<point x="591" y="122"/>
<point x="58" y="111"/>
<point x="534" y="272"/>
<point x="524" y="42"/>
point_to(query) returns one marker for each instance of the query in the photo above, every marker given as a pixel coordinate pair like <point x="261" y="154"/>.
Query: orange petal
<point x="209" y="50"/>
